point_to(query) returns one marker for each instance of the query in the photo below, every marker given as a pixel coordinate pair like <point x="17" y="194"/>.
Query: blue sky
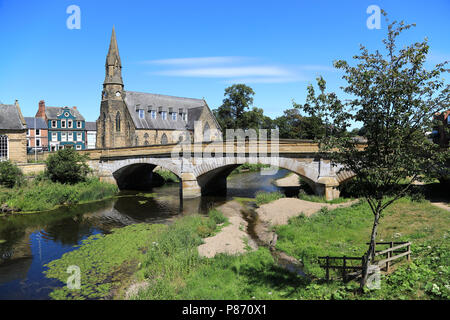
<point x="195" y="48"/>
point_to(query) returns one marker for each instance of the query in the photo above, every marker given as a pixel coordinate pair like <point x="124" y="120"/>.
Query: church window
<point x="174" y="116"/>
<point x="164" y="115"/>
<point x="153" y="113"/>
<point x="164" y="139"/>
<point x="141" y="114"/>
<point x="118" y="121"/>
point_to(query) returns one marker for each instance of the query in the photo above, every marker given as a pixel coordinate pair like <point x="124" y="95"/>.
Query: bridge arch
<point x="137" y="174"/>
<point x="212" y="174"/>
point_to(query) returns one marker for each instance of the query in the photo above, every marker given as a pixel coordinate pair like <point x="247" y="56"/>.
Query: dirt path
<point x="442" y="205"/>
<point x="280" y="211"/>
<point x="291" y="180"/>
<point x="231" y="239"/>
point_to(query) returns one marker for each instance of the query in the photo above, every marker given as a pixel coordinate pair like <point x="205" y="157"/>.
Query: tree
<point x="394" y="97"/>
<point x="67" y="166"/>
<point x="10" y="174"/>
<point x="238" y="99"/>
<point x="292" y="125"/>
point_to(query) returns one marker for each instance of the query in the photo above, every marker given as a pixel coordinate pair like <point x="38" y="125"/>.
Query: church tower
<point x="114" y="123"/>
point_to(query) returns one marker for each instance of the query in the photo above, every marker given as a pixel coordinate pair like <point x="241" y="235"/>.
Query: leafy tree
<point x="394" y="97"/>
<point x="10" y="174"/>
<point x="67" y="166"/>
<point x="293" y="125"/>
<point x="235" y="112"/>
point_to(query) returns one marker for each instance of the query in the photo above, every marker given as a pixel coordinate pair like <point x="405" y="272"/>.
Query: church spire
<point x="113" y="64"/>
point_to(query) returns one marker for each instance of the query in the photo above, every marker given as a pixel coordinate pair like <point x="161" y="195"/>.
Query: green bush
<point x="266" y="197"/>
<point x="217" y="216"/>
<point x="67" y="166"/>
<point x="10" y="174"/>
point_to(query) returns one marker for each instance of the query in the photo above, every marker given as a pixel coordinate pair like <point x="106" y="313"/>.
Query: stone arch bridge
<point x="203" y="167"/>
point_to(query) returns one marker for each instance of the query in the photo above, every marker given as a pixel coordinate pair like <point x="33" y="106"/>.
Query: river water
<point x="36" y="239"/>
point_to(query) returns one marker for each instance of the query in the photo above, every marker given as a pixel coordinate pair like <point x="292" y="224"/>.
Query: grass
<point x="167" y="175"/>
<point x="266" y="197"/>
<point x="321" y="199"/>
<point x="249" y="167"/>
<point x="173" y="269"/>
<point x="108" y="262"/>
<point x="40" y="195"/>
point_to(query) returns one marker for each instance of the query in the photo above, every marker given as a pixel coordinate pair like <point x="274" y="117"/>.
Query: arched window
<point x="3" y="148"/>
<point x="206" y="132"/>
<point x="164" y="139"/>
<point x="118" y="121"/>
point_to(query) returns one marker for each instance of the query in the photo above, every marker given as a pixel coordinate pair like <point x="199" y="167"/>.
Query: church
<point x="129" y="118"/>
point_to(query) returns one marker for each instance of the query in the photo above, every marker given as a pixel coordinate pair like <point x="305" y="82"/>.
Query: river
<point x="34" y="240"/>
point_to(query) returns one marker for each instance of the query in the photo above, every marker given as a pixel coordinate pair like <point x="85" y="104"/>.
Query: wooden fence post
<point x="409" y="255"/>
<point x="389" y="254"/>
<point x="344" y="271"/>
<point x="327" y="269"/>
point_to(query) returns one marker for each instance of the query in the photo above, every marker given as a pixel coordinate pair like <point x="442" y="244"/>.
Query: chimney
<point x="74" y="107"/>
<point x="41" y="110"/>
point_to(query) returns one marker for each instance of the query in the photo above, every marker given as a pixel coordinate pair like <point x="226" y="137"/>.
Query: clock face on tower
<point x="118" y="94"/>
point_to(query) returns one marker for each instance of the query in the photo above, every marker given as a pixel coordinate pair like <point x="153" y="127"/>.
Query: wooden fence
<point x="352" y="266"/>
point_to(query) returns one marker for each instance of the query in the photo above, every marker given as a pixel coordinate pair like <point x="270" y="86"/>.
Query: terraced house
<point x="66" y="127"/>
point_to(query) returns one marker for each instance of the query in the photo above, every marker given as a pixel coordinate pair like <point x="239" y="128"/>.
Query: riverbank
<point x="43" y="195"/>
<point x="170" y="264"/>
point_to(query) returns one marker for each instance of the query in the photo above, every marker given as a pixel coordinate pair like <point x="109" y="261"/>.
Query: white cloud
<point x="198" y="61"/>
<point x="235" y="69"/>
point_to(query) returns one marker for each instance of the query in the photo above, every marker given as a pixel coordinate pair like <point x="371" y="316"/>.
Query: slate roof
<point x="53" y="112"/>
<point x="10" y="117"/>
<point x="40" y="123"/>
<point x="149" y="101"/>
<point x="91" y="126"/>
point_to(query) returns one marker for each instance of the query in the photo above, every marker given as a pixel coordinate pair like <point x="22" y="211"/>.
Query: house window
<point x="28" y="142"/>
<point x="70" y="136"/>
<point x="54" y="136"/>
<point x="78" y="124"/>
<point x="38" y="132"/>
<point x="63" y="123"/>
<point x="174" y="116"/>
<point x="3" y="148"/>
<point x="28" y="132"/>
<point x="78" y="147"/>
<point x="79" y="136"/>
<point x="164" y="115"/>
<point x="141" y="114"/>
<point x="69" y="123"/>
<point x="184" y="116"/>
<point x="153" y="113"/>
<point x="38" y="142"/>
<point x="53" y="123"/>
<point x="63" y="136"/>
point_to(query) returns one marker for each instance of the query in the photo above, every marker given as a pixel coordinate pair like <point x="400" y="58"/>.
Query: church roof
<point x="10" y="117"/>
<point x="136" y="101"/>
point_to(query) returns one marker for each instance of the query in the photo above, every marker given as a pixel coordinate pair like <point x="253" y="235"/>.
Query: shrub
<point x="217" y="216"/>
<point x="67" y="166"/>
<point x="10" y="174"/>
<point x="266" y="197"/>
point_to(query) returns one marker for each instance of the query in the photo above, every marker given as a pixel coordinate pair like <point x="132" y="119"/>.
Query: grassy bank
<point x="43" y="195"/>
<point x="249" y="167"/>
<point x="167" y="175"/>
<point x="166" y="259"/>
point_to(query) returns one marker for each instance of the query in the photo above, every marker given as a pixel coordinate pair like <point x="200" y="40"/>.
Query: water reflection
<point x="34" y="240"/>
